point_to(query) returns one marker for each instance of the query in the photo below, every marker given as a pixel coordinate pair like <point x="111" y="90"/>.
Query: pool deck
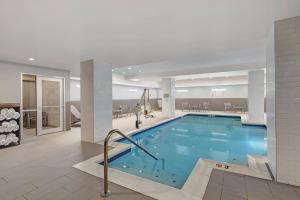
<point x="41" y="169"/>
<point x="227" y="185"/>
<point x="196" y="184"/>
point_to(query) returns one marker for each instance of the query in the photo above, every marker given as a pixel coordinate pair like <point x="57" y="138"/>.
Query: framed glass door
<point x="29" y="106"/>
<point x="50" y="105"/>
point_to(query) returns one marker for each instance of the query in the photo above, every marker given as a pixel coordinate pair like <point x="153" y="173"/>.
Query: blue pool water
<point x="185" y="140"/>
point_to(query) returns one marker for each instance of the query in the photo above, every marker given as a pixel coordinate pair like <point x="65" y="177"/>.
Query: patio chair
<point x="228" y="107"/>
<point x="185" y="106"/>
<point x="206" y="106"/>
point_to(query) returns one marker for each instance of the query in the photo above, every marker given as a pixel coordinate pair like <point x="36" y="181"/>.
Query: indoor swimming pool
<point x="182" y="142"/>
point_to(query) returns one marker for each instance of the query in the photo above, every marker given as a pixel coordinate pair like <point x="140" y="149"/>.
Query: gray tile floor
<point x="40" y="169"/>
<point x="230" y="186"/>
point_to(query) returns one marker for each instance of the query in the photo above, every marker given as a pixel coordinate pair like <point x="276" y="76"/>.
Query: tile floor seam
<point x="298" y="193"/>
<point x="48" y="182"/>
<point x="247" y="193"/>
<point x="71" y="191"/>
<point x="24" y="197"/>
<point x="271" y="191"/>
<point x="3" y="178"/>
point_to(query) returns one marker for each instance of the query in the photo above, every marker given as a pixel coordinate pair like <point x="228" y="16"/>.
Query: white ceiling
<point x="226" y="62"/>
<point x="167" y="37"/>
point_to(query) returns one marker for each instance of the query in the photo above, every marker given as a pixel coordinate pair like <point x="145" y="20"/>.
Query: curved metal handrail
<point x="106" y="192"/>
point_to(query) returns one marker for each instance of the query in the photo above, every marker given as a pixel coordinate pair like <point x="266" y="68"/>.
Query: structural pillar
<point x="96" y="100"/>
<point x="285" y="101"/>
<point x="256" y="95"/>
<point x="168" y="97"/>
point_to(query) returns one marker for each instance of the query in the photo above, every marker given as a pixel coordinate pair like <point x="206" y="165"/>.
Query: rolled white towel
<point x="2" y="139"/>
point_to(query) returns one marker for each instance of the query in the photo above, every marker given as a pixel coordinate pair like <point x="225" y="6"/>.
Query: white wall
<point x="122" y="91"/>
<point x="234" y="91"/>
<point x="119" y="79"/>
<point x="118" y="91"/>
<point x="256" y="91"/>
<point x="75" y="90"/>
<point x="132" y="92"/>
<point x="10" y="79"/>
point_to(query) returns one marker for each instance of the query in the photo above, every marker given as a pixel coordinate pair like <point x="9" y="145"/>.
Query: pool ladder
<point x="106" y="192"/>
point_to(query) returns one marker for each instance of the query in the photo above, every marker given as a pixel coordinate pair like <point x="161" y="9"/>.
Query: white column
<point x="256" y="96"/>
<point x="168" y="97"/>
<point x="96" y="100"/>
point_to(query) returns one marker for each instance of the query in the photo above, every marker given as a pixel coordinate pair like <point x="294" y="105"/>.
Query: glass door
<point x="29" y="105"/>
<point x="50" y="105"/>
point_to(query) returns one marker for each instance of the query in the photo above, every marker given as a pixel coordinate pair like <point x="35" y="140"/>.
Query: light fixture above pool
<point x="219" y="90"/>
<point x="75" y="78"/>
<point x="129" y="68"/>
<point x="182" y="91"/>
<point x="31" y="59"/>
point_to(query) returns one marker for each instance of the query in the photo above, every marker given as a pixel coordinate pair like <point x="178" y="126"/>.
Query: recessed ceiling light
<point x="75" y="78"/>
<point x="182" y="91"/>
<point x="219" y="90"/>
<point x="129" y="68"/>
<point x="31" y="59"/>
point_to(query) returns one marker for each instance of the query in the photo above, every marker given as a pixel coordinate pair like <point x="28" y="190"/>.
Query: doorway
<point x="43" y="105"/>
<point x="29" y="106"/>
<point x="50" y="107"/>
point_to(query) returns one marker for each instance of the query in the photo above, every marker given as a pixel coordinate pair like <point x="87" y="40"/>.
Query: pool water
<point x="180" y="143"/>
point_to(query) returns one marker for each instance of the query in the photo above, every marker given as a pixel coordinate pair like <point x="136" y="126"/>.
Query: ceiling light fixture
<point x="129" y="68"/>
<point x="31" y="59"/>
<point x="75" y="78"/>
<point x="182" y="90"/>
<point x="219" y="90"/>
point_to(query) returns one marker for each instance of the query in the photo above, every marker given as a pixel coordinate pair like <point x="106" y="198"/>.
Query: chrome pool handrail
<point x="106" y="192"/>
